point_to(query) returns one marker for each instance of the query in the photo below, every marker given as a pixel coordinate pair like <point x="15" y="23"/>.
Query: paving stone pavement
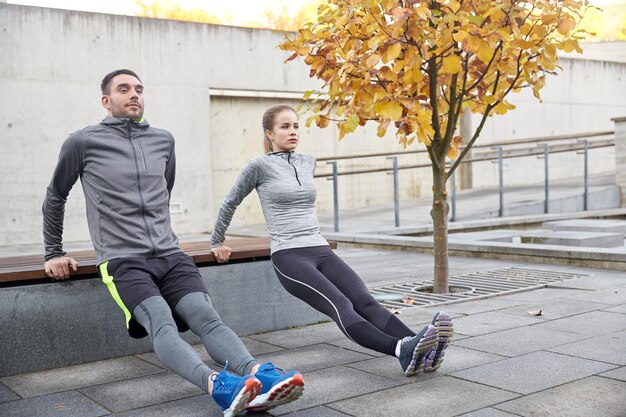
<point x="570" y="361"/>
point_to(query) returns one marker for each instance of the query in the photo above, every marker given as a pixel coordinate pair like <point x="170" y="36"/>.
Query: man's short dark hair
<point x="106" y="81"/>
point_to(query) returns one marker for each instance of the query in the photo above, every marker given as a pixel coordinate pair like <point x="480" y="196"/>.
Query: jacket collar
<point x="114" y="121"/>
<point x="283" y="154"/>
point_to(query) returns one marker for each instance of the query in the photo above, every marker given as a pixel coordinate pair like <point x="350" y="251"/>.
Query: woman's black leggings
<point x="319" y="277"/>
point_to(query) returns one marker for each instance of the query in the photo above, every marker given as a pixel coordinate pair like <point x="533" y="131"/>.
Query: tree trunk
<point x="439" y="214"/>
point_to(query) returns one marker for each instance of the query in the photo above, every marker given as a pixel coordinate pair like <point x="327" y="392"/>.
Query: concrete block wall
<point x="49" y="84"/>
<point x="583" y="97"/>
<point x="53" y="61"/>
<point x="620" y="156"/>
<point x="45" y="326"/>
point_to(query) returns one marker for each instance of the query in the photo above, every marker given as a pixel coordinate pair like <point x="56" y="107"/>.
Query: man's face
<point x="125" y="98"/>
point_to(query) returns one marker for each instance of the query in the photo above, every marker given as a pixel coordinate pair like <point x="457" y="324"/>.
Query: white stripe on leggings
<point x="314" y="289"/>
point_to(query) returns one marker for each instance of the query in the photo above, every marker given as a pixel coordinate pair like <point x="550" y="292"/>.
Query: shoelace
<point x="224" y="381"/>
<point x="274" y="371"/>
<point x="406" y="340"/>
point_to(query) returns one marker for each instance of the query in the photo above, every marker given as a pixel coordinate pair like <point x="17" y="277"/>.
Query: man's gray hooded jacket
<point x="127" y="172"/>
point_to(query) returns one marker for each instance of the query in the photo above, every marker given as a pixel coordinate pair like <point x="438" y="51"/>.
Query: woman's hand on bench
<point x="222" y="253"/>
<point x="59" y="268"/>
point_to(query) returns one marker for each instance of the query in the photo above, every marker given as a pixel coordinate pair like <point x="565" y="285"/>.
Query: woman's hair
<point x="268" y="123"/>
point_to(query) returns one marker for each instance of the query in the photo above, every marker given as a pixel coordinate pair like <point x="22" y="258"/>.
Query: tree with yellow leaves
<point x="279" y="16"/>
<point x="416" y="66"/>
<point x="168" y="9"/>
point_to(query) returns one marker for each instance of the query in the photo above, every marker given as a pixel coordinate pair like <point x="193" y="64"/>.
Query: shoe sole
<point x="250" y="390"/>
<point x="423" y="347"/>
<point x="445" y="331"/>
<point x="285" y="392"/>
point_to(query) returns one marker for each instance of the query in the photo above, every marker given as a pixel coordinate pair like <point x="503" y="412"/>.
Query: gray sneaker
<point x="445" y="331"/>
<point x="414" y="349"/>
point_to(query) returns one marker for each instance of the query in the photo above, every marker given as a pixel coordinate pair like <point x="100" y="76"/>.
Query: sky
<point x="240" y="10"/>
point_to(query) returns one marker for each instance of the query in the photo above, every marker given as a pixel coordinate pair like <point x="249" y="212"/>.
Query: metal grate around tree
<point x="470" y="286"/>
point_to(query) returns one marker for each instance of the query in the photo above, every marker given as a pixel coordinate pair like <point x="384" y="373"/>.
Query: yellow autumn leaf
<point x="379" y="95"/>
<point x="381" y="131"/>
<point x="372" y="60"/>
<point x="373" y="43"/>
<point x="485" y="52"/>
<point x="392" y="52"/>
<point x="472" y="43"/>
<point x="422" y="137"/>
<point x="537" y="86"/>
<point x="550" y="52"/>
<point x="571" y="45"/>
<point x="351" y="123"/>
<point x="452" y="64"/>
<point x="322" y="121"/>
<point x="417" y="76"/>
<point x="389" y="109"/>
<point x="503" y="107"/>
<point x="566" y="25"/>
<point x="453" y="152"/>
<point x="489" y="99"/>
<point x="460" y="35"/>
<point x="539" y="32"/>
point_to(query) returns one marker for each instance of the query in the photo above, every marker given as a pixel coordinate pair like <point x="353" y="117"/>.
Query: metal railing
<point x="497" y="152"/>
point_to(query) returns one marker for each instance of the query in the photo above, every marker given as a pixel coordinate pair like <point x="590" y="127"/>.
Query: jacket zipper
<point x="143" y="203"/>
<point x="294" y="169"/>
<point x="143" y="157"/>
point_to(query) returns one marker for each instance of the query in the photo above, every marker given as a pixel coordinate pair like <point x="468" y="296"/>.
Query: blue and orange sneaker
<point x="279" y="387"/>
<point x="233" y="393"/>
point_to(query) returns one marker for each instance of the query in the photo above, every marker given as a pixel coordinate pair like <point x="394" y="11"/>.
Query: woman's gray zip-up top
<point x="127" y="172"/>
<point x="284" y="183"/>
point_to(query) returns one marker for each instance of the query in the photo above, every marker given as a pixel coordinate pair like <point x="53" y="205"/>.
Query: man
<point x="127" y="171"/>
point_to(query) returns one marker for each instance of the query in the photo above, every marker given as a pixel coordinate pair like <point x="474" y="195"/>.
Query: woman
<point x="302" y="259"/>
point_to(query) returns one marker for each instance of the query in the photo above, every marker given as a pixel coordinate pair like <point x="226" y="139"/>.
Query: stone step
<point x="588" y="225"/>
<point x="574" y="238"/>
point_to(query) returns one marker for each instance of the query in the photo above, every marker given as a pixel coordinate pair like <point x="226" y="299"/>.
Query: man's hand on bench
<point x="59" y="268"/>
<point x="222" y="253"/>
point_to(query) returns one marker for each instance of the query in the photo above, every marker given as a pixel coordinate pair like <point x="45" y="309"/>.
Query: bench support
<point x="53" y="325"/>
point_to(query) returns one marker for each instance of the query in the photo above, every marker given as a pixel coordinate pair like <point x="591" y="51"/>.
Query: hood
<point x="122" y="125"/>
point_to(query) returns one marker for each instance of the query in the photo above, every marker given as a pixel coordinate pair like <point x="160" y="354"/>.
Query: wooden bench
<point x="48" y="324"/>
<point x="30" y="267"/>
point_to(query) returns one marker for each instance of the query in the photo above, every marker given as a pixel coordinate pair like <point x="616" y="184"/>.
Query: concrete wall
<point x="209" y="85"/>
<point x="76" y="321"/>
<point x="620" y="156"/>
<point x="582" y="98"/>
<point x="53" y="61"/>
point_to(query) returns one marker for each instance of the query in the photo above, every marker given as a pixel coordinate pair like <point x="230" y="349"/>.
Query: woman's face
<point x="285" y="133"/>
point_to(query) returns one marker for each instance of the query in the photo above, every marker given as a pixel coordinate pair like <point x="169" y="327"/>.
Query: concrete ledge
<point x="497" y="222"/>
<point x="588" y="225"/>
<point x="574" y="238"/>
<point x="606" y="258"/>
<point x="59" y="324"/>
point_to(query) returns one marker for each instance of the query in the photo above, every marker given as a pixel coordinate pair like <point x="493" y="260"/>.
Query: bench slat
<point x="30" y="267"/>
